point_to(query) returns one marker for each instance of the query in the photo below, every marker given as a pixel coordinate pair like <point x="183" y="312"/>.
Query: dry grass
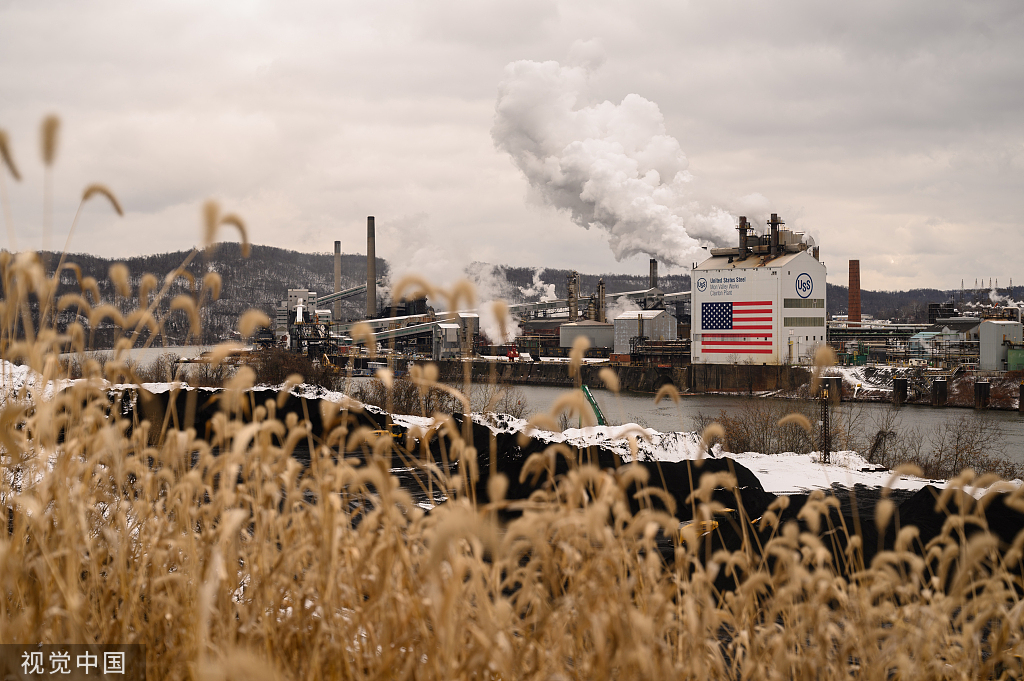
<point x="228" y="558"/>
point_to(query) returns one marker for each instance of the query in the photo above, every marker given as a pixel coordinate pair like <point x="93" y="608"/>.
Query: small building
<point x="1015" y="358"/>
<point x="301" y="295"/>
<point x="925" y="344"/>
<point x="600" y="334"/>
<point x="963" y="328"/>
<point x="447" y="341"/>
<point x="281" y="313"/>
<point x="470" y="324"/>
<point x="656" y="325"/>
<point x="997" y="336"/>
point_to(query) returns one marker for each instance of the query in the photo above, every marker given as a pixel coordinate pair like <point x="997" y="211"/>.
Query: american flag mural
<point x="737" y="327"/>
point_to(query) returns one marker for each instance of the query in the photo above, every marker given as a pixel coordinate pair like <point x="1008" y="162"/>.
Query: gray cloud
<point x="892" y="132"/>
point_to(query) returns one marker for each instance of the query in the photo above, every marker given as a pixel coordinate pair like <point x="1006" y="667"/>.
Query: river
<point x="145" y="356"/>
<point x="1008" y="426"/>
<point x="667" y="416"/>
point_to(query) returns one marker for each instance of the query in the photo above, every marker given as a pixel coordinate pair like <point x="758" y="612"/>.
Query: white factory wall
<point x="993" y="350"/>
<point x="447" y="343"/>
<point x="763" y="314"/>
<point x="803" y="328"/>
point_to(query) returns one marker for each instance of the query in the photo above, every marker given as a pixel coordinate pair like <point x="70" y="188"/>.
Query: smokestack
<point x="853" y="308"/>
<point x="744" y="225"/>
<point x="337" y="280"/>
<point x="774" y="240"/>
<point x="601" y="308"/>
<point x="371" y="270"/>
<point x="573" y="307"/>
<point x="654" y="273"/>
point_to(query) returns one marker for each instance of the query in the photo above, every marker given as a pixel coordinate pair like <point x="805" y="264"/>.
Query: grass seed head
<point x="234" y="221"/>
<point x="579" y="347"/>
<point x="48" y="136"/>
<point x="119" y="277"/>
<point x="668" y="390"/>
<point x="796" y="419"/>
<point x="7" y="157"/>
<point x="211" y="213"/>
<point x="610" y="379"/>
<point x="252" y="320"/>
<point x="100" y="190"/>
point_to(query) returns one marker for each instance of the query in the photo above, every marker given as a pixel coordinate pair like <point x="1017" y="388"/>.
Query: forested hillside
<point x="259" y="281"/>
<point x="911" y="307"/>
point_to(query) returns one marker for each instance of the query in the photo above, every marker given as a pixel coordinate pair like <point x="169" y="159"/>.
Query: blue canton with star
<point x="715" y="316"/>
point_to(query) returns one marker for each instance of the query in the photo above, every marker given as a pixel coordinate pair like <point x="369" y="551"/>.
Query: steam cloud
<point x="546" y="292"/>
<point x="491" y="285"/>
<point x="612" y="166"/>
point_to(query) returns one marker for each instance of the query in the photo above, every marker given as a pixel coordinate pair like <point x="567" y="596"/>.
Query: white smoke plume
<point x="492" y="285"/>
<point x="618" y="306"/>
<point x="612" y="166"/>
<point x="546" y="292"/>
<point x="996" y="297"/>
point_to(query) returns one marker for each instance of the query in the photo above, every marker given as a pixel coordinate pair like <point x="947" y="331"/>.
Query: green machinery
<point x="601" y="421"/>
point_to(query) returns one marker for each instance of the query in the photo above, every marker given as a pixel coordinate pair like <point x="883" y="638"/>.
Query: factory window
<point x="800" y="302"/>
<point x="803" y="321"/>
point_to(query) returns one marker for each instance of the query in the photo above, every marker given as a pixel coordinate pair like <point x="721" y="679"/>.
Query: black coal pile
<point x="853" y="515"/>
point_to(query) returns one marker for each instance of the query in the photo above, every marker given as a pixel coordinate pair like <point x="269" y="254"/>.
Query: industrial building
<point x="600" y="334"/>
<point x="761" y="302"/>
<point x="635" y="327"/>
<point x="996" y="337"/>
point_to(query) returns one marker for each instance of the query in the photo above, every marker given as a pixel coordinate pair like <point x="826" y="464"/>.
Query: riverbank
<point x="857" y="384"/>
<point x="694" y="378"/>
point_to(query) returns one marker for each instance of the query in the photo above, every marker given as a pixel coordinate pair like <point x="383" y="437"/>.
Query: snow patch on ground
<point x="14" y="378"/>
<point x="786" y="473"/>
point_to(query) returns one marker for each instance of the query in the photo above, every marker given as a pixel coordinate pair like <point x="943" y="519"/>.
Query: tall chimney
<point x="601" y="309"/>
<point x="654" y="273"/>
<point x="774" y="240"/>
<point x="744" y="225"/>
<point x="573" y="306"/>
<point x="337" y="280"/>
<point x="371" y="270"/>
<point x="853" y="308"/>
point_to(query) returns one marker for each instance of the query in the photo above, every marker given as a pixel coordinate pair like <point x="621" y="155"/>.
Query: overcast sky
<point x="893" y="132"/>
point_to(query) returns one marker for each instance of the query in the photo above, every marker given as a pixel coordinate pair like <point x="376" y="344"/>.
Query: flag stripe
<point x="737" y="342"/>
<point x="737" y="327"/>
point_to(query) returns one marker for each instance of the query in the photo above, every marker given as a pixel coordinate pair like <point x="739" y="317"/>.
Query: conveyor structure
<point x="526" y="310"/>
<point x="341" y="295"/>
